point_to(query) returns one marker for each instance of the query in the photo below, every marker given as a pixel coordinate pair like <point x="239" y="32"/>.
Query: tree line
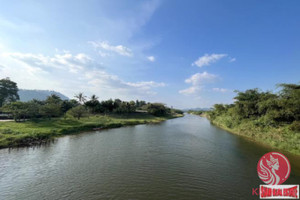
<point x="263" y="108"/>
<point x="81" y="106"/>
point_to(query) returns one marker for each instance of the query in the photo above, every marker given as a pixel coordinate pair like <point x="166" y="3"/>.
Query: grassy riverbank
<point x="269" y="118"/>
<point x="281" y="137"/>
<point x="32" y="132"/>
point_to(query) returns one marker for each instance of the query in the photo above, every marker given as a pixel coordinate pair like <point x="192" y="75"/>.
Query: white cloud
<point x="101" y="81"/>
<point x="208" y="59"/>
<point x="151" y="58"/>
<point x="120" y="49"/>
<point x="200" y="78"/>
<point x="66" y="61"/>
<point x="197" y="81"/>
<point x="223" y="90"/>
<point x="191" y="90"/>
<point x="37" y="71"/>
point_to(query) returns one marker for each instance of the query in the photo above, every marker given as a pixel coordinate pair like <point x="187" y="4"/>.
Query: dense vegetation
<point x="43" y="119"/>
<point x="54" y="106"/>
<point x="195" y="112"/>
<point x="270" y="118"/>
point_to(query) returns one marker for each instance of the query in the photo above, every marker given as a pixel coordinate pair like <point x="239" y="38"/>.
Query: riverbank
<point x="281" y="137"/>
<point x="33" y="132"/>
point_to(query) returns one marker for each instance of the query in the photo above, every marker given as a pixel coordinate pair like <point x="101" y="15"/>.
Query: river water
<point x="183" y="158"/>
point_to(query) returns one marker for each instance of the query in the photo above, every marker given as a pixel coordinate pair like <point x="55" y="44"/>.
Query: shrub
<point x="295" y="126"/>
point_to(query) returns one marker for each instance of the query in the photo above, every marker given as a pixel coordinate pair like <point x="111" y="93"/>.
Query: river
<point x="183" y="158"/>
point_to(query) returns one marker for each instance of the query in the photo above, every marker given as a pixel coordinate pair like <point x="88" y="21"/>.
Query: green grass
<point x="280" y="137"/>
<point x="39" y="131"/>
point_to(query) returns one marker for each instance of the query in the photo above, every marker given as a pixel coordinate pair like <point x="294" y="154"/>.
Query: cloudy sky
<point x="183" y="53"/>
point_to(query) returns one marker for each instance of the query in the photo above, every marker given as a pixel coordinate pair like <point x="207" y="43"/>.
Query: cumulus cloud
<point x="191" y="90"/>
<point x="197" y="81"/>
<point x="208" y="59"/>
<point x="119" y="49"/>
<point x="151" y="58"/>
<point x="199" y="78"/>
<point x="72" y="63"/>
<point x="37" y="71"/>
<point x="222" y="90"/>
<point x="102" y="81"/>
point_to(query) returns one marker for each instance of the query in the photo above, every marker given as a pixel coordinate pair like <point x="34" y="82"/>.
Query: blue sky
<point x="183" y="53"/>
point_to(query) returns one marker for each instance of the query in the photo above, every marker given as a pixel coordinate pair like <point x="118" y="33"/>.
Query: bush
<point x="295" y="126"/>
<point x="157" y="109"/>
<point x="77" y="112"/>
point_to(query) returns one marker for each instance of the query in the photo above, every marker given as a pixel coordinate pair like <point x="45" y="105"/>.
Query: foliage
<point x="68" y="104"/>
<point x="77" y="112"/>
<point x="283" y="107"/>
<point x="54" y="106"/>
<point x="50" y="110"/>
<point x="81" y="98"/>
<point x="295" y="126"/>
<point x="8" y="91"/>
<point x="17" y="109"/>
<point x="195" y="112"/>
<point x="271" y="118"/>
<point x="177" y="111"/>
<point x="92" y="104"/>
<point x="158" y="109"/>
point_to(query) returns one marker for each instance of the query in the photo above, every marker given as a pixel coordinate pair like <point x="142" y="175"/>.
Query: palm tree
<point x="94" y="98"/>
<point x="81" y="98"/>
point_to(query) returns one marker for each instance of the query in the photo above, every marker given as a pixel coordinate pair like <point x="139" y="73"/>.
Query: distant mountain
<point x="196" y="109"/>
<point x="27" y="95"/>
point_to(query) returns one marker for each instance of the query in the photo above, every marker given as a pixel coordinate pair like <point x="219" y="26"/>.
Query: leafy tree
<point x="117" y="103"/>
<point x="8" y="91"/>
<point x="92" y="104"/>
<point x="289" y="101"/>
<point x="177" y="111"/>
<point x="139" y="104"/>
<point x="246" y="102"/>
<point x="157" y="109"/>
<point x="53" y="98"/>
<point x="125" y="107"/>
<point x="108" y="105"/>
<point x="77" y="112"/>
<point x="17" y="109"/>
<point x="219" y="108"/>
<point x="68" y="104"/>
<point x="32" y="109"/>
<point x="265" y="108"/>
<point x="50" y="110"/>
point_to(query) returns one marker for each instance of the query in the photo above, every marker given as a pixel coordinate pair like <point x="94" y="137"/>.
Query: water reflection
<point x="185" y="158"/>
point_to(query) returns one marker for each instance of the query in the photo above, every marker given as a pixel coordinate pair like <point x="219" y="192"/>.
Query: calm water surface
<point x="184" y="158"/>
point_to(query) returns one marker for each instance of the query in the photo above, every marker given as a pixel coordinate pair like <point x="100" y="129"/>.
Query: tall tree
<point x="94" y="97"/>
<point x="17" y="109"/>
<point x="92" y="104"/>
<point x="53" y="98"/>
<point x="77" y="112"/>
<point x="81" y="98"/>
<point x="8" y="91"/>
